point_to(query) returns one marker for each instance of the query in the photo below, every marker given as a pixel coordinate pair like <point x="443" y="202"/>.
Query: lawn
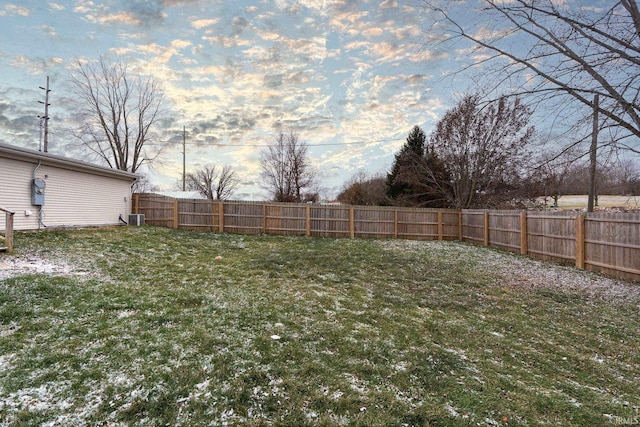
<point x="151" y="326"/>
<point x="604" y="202"/>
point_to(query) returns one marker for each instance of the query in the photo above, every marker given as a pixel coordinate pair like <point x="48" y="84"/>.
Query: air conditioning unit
<point x="137" y="219"/>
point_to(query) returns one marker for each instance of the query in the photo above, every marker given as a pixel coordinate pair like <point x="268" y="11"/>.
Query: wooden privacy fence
<point x="298" y="219"/>
<point x="600" y="241"/>
<point x="605" y="242"/>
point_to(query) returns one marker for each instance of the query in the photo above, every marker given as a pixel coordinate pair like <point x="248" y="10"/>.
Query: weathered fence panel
<point x="374" y="222"/>
<point x="552" y="235"/>
<point x="285" y="219"/>
<point x="612" y="244"/>
<point x="451" y="225"/>
<point x="605" y="242"/>
<point x="504" y="230"/>
<point x="330" y="221"/>
<point x="418" y="224"/>
<point x="158" y="210"/>
<point x="198" y="215"/>
<point x="473" y="226"/>
<point x="244" y="218"/>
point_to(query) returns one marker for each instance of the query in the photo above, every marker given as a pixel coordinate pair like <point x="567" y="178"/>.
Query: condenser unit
<point x="136" y="219"/>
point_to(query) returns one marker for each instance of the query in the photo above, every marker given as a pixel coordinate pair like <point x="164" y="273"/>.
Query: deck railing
<point x="8" y="232"/>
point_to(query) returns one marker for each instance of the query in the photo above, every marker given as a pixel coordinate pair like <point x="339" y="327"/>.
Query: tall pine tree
<point x="409" y="156"/>
<point x="417" y="177"/>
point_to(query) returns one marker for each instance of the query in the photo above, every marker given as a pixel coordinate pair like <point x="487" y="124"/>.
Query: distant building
<point x="46" y="191"/>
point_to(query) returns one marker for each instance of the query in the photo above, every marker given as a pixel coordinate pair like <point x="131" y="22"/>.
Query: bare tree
<point x="363" y="189"/>
<point x="557" y="51"/>
<point x="484" y="150"/>
<point x="286" y="168"/>
<point x="625" y="176"/>
<point x="558" y="174"/>
<point x="213" y="184"/>
<point x="117" y="113"/>
<point x="143" y="185"/>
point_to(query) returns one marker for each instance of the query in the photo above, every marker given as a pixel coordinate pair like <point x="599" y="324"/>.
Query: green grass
<point x="149" y="328"/>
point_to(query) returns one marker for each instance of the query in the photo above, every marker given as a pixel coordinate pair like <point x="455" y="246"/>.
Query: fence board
<point x="418" y="224"/>
<point x="330" y="221"/>
<point x="286" y="219"/>
<point x="473" y="226"/>
<point x="552" y="236"/>
<point x="158" y="210"/>
<point x="612" y="244"/>
<point x="374" y="222"/>
<point x="504" y="230"/>
<point x="195" y="214"/>
<point x="244" y="218"/>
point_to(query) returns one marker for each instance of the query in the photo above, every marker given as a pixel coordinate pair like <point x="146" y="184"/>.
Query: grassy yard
<point x="151" y="326"/>
<point x="604" y="201"/>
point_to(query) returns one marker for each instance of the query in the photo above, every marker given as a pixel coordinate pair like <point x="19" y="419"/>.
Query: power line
<point x="273" y="145"/>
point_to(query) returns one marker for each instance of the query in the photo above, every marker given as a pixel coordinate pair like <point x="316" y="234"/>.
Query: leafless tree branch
<point x="116" y="113"/>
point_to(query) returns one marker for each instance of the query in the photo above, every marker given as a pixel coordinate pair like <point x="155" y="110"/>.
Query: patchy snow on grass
<point x="416" y="339"/>
<point x="8" y="330"/>
<point x="523" y="272"/>
<point x="126" y="313"/>
<point x="452" y="411"/>
<point x="16" y="266"/>
<point x="43" y="398"/>
<point x="356" y="384"/>
<point x="6" y="361"/>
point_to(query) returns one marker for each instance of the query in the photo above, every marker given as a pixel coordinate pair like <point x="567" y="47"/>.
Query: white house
<point x="47" y="191"/>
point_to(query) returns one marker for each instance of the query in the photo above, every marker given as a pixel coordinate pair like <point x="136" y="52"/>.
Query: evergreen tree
<point x="407" y="159"/>
<point x="418" y="177"/>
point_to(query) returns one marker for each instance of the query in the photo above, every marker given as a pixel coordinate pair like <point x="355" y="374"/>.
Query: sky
<point x="350" y="77"/>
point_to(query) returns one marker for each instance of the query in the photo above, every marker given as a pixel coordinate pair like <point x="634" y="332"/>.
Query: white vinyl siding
<point x="72" y="197"/>
<point x="15" y="194"/>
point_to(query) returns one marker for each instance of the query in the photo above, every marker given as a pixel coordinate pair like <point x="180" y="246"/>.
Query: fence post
<point x="352" y="223"/>
<point x="580" y="241"/>
<point x="460" y="218"/>
<point x="213" y="216"/>
<point x="136" y="203"/>
<point x="440" y="225"/>
<point x="176" y="213"/>
<point x="395" y="223"/>
<point x="524" y="244"/>
<point x="264" y="218"/>
<point x="486" y="228"/>
<point x="8" y="235"/>
<point x="308" y="220"/>
<point x="221" y="217"/>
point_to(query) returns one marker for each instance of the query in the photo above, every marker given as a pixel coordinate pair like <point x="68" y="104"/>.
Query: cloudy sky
<point x="349" y="77"/>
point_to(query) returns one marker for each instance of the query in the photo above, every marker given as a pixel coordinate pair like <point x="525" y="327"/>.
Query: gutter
<point x="20" y="153"/>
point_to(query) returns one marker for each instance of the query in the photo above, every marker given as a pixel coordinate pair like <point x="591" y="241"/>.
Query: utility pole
<point x="184" y="158"/>
<point x="593" y="157"/>
<point x="45" y="119"/>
